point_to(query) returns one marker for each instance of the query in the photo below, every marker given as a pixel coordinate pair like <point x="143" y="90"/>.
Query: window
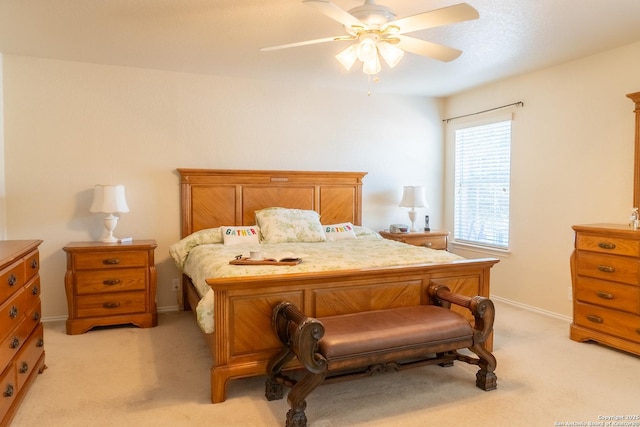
<point x="482" y="174"/>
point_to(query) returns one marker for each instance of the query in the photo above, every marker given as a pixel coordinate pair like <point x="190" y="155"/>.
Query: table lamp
<point x="413" y="197"/>
<point x="109" y="199"/>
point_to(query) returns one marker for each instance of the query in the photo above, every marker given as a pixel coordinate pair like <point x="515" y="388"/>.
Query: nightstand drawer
<point x="608" y="267"/>
<point x="608" y="294"/>
<point x="616" y="323"/>
<point x="608" y="245"/>
<point x="113" y="259"/>
<point x="99" y="281"/>
<point x="111" y="304"/>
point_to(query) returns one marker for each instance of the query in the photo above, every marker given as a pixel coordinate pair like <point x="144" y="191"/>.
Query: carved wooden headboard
<point x="215" y="197"/>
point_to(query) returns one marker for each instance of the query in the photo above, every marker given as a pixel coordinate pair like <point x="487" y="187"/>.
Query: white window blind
<point x="482" y="176"/>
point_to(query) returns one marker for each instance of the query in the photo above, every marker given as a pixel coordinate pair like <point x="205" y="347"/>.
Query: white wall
<point x="69" y="126"/>
<point x="572" y="163"/>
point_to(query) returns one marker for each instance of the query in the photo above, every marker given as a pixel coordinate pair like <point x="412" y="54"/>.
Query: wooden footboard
<point x="243" y="341"/>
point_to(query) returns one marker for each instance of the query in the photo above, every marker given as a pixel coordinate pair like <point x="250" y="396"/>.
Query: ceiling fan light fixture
<point x="371" y="66"/>
<point x="348" y="56"/>
<point x="367" y="49"/>
<point x="390" y="53"/>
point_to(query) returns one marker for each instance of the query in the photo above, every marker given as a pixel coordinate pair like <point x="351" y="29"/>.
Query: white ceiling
<point x="223" y="37"/>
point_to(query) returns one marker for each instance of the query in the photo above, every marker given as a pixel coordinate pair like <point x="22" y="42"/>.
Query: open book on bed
<point x="275" y="258"/>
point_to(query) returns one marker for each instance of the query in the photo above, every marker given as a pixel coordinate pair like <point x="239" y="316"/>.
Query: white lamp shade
<point x="413" y="197"/>
<point x="109" y="199"/>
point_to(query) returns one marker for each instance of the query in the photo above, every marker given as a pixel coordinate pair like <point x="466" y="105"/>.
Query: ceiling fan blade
<point x="335" y="13"/>
<point x="428" y="49"/>
<point x="308" y="42"/>
<point x="435" y="18"/>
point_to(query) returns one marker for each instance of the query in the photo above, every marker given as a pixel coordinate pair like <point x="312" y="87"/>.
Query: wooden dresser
<point x="428" y="239"/>
<point x="605" y="270"/>
<point x="21" y="332"/>
<point x="110" y="284"/>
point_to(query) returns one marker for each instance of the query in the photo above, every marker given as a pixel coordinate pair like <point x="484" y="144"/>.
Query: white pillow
<point x="342" y="231"/>
<point x="281" y="225"/>
<point x="244" y="235"/>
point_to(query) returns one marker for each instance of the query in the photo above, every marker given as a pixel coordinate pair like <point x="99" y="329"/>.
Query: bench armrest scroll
<point x="301" y="333"/>
<point x="481" y="308"/>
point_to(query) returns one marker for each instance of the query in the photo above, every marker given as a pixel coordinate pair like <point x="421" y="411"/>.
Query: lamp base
<point x="412" y="218"/>
<point x="110" y="223"/>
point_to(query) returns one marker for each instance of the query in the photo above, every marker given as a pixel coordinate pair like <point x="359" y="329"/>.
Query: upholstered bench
<point x="374" y="341"/>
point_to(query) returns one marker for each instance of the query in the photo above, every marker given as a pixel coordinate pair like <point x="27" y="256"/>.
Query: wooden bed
<point x="243" y="341"/>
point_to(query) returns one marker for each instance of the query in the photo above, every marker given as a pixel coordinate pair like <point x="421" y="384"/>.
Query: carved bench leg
<point x="274" y="389"/>
<point x="296" y="416"/>
<point x="485" y="378"/>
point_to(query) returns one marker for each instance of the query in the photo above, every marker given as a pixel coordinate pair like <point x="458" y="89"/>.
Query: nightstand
<point x="428" y="239"/>
<point x="110" y="284"/>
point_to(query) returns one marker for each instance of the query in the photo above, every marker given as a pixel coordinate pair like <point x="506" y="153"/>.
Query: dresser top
<point x="11" y="250"/>
<point x="608" y="228"/>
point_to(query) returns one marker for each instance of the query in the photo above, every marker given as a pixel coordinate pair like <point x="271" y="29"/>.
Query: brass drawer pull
<point x="40" y="343"/>
<point x="606" y="269"/>
<point x="36" y="316"/>
<point x="111" y="282"/>
<point x="24" y="368"/>
<point x="8" y="392"/>
<point x="428" y="244"/>
<point x="34" y="264"/>
<point x="604" y="295"/>
<point x="13" y="312"/>
<point x="111" y="305"/>
<point x="595" y="319"/>
<point x="35" y="290"/>
<point x="12" y="280"/>
<point x="606" y="245"/>
<point x="111" y="261"/>
<point x="15" y="342"/>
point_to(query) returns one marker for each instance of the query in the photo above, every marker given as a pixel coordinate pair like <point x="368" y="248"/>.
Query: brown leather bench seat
<point x="373" y="341"/>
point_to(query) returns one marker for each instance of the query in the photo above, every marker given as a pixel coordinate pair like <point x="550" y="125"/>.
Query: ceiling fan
<point x="376" y="29"/>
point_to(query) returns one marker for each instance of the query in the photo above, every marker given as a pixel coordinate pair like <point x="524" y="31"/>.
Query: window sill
<point x="484" y="250"/>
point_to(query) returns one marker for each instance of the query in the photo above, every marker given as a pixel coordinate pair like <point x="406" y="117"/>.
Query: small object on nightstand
<point x="428" y="239"/>
<point x="426" y="223"/>
<point x="110" y="284"/>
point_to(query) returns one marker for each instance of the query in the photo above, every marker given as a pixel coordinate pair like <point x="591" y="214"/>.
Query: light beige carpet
<point x="127" y="376"/>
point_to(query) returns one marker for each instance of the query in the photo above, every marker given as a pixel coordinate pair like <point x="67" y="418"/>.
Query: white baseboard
<point x="532" y="308"/>
<point x="168" y="309"/>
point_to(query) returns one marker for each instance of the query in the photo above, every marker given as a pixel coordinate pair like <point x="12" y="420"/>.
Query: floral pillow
<point x="281" y="225"/>
<point x="342" y="231"/>
<point x="240" y="235"/>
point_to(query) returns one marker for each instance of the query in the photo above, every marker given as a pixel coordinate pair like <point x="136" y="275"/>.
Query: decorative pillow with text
<point x="244" y="235"/>
<point x="342" y="231"/>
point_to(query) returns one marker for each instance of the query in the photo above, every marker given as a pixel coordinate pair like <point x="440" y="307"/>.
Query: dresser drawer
<point x="11" y="313"/>
<point x="100" y="260"/>
<point x="115" y="280"/>
<point x="110" y="304"/>
<point x="11" y="344"/>
<point x="11" y="279"/>
<point x="608" y="245"/>
<point x="608" y="294"/>
<point x="8" y="389"/>
<point x="31" y="265"/>
<point x="607" y="267"/>
<point x="616" y="323"/>
<point x="30" y="352"/>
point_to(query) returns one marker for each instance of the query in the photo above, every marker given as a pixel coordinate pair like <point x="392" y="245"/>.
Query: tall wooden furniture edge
<point x="580" y="333"/>
<point x="26" y="346"/>
<point x="243" y="341"/>
<point x="635" y="97"/>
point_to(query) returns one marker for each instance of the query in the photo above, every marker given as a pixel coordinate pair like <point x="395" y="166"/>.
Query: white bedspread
<point x="202" y="255"/>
